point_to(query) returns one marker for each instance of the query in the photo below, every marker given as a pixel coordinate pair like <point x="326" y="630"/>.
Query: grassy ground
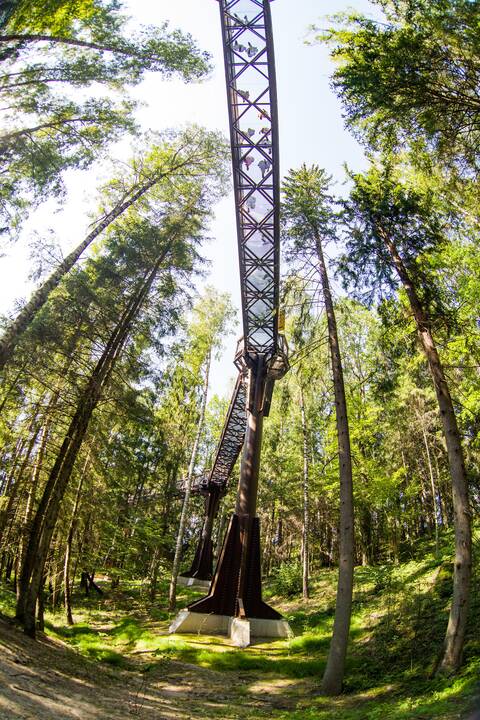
<point x="399" y="618"/>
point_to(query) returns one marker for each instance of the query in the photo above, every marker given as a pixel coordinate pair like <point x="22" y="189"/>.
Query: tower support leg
<point x="202" y="566"/>
<point x="235" y="597"/>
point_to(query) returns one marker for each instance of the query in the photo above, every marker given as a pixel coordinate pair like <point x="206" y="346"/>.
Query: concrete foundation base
<point x="269" y="628"/>
<point x="239" y="630"/>
<point x="193" y="582"/>
<point x="203" y="623"/>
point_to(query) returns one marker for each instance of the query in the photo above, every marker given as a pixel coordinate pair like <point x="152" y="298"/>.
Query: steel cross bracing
<point x="230" y="444"/>
<point x="250" y="75"/>
<point x="213" y="485"/>
<point x="233" y="435"/>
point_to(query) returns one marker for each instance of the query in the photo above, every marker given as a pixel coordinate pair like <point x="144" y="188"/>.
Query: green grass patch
<point x="7" y="600"/>
<point x="442" y="699"/>
<point x="398" y="623"/>
<point x="280" y="658"/>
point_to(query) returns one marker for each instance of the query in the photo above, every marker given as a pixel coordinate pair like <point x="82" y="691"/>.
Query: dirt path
<point x="46" y="680"/>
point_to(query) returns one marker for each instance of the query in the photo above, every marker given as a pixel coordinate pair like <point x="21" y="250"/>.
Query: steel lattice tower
<point x="252" y="104"/>
<point x="235" y="595"/>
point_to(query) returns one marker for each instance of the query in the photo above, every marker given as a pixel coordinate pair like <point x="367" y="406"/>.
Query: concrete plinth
<point x="193" y="582"/>
<point x="270" y="628"/>
<point x="204" y="623"/>
<point x="238" y="629"/>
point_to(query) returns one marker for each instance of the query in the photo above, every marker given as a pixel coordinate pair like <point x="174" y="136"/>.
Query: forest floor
<point x="118" y="661"/>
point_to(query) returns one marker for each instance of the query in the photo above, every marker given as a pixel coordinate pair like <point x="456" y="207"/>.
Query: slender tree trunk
<point x="268" y="544"/>
<point x="67" y="588"/>
<point x="9" y="480"/>
<point x="306" y="502"/>
<point x="13" y="385"/>
<point x="457" y="622"/>
<point x="55" y="576"/>
<point x="47" y="512"/>
<point x="75" y="42"/>
<point x="220" y="532"/>
<point x="41" y="605"/>
<point x="433" y="489"/>
<point x="172" y="595"/>
<point x="12" y="137"/>
<point x="16" y="483"/>
<point x="32" y="491"/>
<point x="153" y="574"/>
<point x="17" y="327"/>
<point x="441" y="501"/>
<point x="332" y="680"/>
<point x="169" y="491"/>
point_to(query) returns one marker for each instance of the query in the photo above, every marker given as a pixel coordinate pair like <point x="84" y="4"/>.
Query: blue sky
<point x="311" y="131"/>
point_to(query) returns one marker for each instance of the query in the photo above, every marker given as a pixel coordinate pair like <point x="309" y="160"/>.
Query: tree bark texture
<point x="306" y="502"/>
<point x="332" y="680"/>
<point x="67" y="589"/>
<point x="433" y="489"/>
<point x="32" y="491"/>
<point x="17" y="479"/>
<point x="457" y="622"/>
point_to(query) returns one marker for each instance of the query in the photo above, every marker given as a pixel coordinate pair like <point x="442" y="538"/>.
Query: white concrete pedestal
<point x="203" y="623"/>
<point x="239" y="630"/>
<point x="193" y="582"/>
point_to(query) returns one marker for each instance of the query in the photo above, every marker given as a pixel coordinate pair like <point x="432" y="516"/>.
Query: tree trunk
<point x="46" y="516"/>
<point x="13" y="462"/>
<point x="32" y="491"/>
<point x="332" y="680"/>
<point x="41" y="606"/>
<point x="12" y="137"/>
<point x="306" y="508"/>
<point x="12" y="387"/>
<point x="172" y="595"/>
<point x="153" y="575"/>
<point x="17" y="327"/>
<point x="67" y="588"/>
<point x="441" y="502"/>
<point x="433" y="489"/>
<point x="268" y="543"/>
<point x="24" y="38"/>
<point x="220" y="533"/>
<point x="457" y="622"/>
<point x="17" y="482"/>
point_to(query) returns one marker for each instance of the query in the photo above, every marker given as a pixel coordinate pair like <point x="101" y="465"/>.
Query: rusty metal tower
<point x="252" y="102"/>
<point x="234" y="603"/>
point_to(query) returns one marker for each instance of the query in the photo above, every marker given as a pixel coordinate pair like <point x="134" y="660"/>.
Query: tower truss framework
<point x="252" y="104"/>
<point x="213" y="485"/>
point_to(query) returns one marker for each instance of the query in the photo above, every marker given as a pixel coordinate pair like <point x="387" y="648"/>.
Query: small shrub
<point x="288" y="579"/>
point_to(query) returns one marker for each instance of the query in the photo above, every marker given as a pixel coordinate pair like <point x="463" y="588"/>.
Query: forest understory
<point x="118" y="660"/>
